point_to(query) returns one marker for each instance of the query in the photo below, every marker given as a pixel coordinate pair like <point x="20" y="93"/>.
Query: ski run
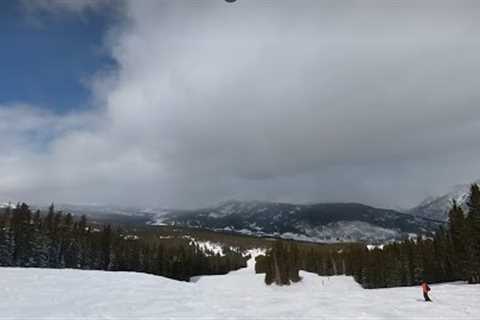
<point x="30" y="293"/>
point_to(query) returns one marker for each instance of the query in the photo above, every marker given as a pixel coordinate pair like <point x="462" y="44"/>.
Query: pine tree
<point x="458" y="234"/>
<point x="443" y="256"/>
<point x="22" y="227"/>
<point x="82" y="239"/>
<point x="473" y="240"/>
<point x="418" y="260"/>
<point x="293" y="264"/>
<point x="160" y="260"/>
<point x="6" y="239"/>
<point x="70" y="245"/>
<point x="106" y="245"/>
<point x="39" y="242"/>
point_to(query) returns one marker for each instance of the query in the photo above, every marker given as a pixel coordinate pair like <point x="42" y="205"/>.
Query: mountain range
<point x="324" y="221"/>
<point x="321" y="222"/>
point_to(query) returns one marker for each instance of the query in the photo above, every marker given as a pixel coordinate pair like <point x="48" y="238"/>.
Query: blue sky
<point x="46" y="59"/>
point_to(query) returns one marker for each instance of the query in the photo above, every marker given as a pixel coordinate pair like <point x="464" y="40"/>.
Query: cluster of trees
<point x="463" y="238"/>
<point x="452" y="253"/>
<point x="280" y="265"/>
<point x="57" y="240"/>
<point x="402" y="264"/>
<point x="282" y="262"/>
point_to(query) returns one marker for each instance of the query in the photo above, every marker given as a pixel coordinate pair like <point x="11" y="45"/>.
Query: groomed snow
<point x="73" y="294"/>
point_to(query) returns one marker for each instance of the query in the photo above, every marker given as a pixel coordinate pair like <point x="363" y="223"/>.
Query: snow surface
<point x="75" y="294"/>
<point x="214" y="247"/>
<point x="208" y="246"/>
<point x="373" y="246"/>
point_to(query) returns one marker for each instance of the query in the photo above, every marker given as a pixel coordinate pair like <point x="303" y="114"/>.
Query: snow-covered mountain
<point x="437" y="207"/>
<point x="325" y="222"/>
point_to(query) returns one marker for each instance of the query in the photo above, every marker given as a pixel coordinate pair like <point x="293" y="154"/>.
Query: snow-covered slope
<point x="437" y="207"/>
<point x="74" y="294"/>
<point x="323" y="222"/>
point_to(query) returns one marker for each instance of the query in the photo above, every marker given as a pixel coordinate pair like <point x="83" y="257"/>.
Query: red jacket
<point x="425" y="287"/>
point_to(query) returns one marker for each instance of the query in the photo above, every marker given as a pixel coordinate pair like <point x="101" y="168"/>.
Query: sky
<point x="187" y="103"/>
<point x="47" y="60"/>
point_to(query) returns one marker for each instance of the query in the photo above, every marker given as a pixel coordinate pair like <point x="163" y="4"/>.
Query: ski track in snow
<point x="75" y="294"/>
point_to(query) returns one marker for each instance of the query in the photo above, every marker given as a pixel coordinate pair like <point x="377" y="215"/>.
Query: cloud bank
<point x="375" y="102"/>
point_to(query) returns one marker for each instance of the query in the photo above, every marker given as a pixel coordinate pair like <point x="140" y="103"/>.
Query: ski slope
<point x="74" y="294"/>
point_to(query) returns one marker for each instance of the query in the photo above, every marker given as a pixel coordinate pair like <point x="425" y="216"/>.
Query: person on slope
<point x="425" y="289"/>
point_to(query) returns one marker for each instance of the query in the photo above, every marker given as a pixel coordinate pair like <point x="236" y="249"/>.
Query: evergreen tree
<point x="458" y="235"/>
<point x="473" y="239"/>
<point x="39" y="242"/>
<point x="82" y="235"/>
<point x="6" y="239"/>
<point x="22" y="227"/>
<point x="106" y="247"/>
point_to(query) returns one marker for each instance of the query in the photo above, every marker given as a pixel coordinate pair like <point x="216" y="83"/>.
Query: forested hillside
<point x="57" y="240"/>
<point x="451" y="254"/>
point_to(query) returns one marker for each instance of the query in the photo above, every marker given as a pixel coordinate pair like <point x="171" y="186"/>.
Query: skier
<point x="425" y="289"/>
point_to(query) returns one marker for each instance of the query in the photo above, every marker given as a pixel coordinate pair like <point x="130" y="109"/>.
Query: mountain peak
<point x="437" y="207"/>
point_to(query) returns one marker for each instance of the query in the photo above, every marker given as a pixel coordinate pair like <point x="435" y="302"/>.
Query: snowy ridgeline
<point x="75" y="294"/>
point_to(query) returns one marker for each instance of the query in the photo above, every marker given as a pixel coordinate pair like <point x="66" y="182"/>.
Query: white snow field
<point x="74" y="294"/>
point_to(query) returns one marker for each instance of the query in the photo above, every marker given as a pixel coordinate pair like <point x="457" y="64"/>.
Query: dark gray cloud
<point x="297" y="101"/>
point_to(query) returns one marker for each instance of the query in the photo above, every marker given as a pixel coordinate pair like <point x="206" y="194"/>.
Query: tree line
<point x="58" y="240"/>
<point x="452" y="253"/>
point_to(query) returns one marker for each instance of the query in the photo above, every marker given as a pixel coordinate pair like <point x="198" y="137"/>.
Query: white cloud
<point x="300" y="102"/>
